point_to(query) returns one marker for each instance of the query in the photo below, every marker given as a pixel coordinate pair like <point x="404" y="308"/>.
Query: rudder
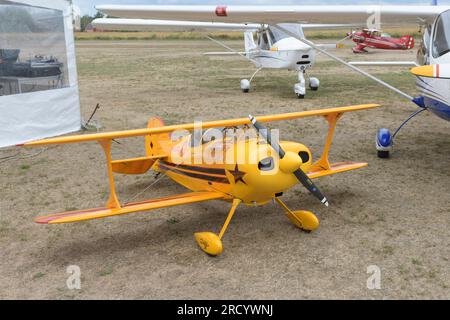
<point x="154" y="142"/>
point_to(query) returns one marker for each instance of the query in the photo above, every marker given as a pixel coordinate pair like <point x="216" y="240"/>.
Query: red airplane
<point x="377" y="40"/>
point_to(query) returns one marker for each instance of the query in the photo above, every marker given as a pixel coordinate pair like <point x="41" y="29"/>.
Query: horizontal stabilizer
<point x="134" y="166"/>
<point x="100" y="213"/>
<point x="336" y="168"/>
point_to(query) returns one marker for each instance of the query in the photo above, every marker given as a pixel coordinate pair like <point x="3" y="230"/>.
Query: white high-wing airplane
<point x="273" y="48"/>
<point x="434" y="53"/>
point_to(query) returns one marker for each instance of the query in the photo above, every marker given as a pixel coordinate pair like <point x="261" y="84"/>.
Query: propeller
<point x="349" y="36"/>
<point x="299" y="174"/>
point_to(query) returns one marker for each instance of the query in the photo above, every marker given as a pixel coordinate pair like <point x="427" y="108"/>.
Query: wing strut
<point x="323" y="167"/>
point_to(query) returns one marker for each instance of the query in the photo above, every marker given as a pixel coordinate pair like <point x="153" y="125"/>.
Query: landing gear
<point x="304" y="220"/>
<point x="384" y="143"/>
<point x="385" y="140"/>
<point x="314" y="84"/>
<point x="211" y="243"/>
<point x="246" y="84"/>
<point x="300" y="88"/>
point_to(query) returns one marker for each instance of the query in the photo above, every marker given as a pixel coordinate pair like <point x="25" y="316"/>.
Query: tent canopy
<point x="38" y="78"/>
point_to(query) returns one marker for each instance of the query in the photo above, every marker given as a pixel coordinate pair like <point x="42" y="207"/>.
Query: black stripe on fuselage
<point x="215" y="171"/>
<point x="199" y="176"/>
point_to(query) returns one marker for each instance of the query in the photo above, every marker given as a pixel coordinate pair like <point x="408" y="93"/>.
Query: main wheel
<point x="209" y="243"/>
<point x="383" y="154"/>
<point x="300" y="96"/>
<point x="305" y="220"/>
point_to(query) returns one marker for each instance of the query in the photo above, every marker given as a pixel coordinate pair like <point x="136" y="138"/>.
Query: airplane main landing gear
<point x="246" y="84"/>
<point x="211" y="243"/>
<point x="385" y="140"/>
<point x="314" y="84"/>
<point x="304" y="220"/>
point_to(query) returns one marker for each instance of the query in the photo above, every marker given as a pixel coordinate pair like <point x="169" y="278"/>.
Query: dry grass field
<point x="394" y="214"/>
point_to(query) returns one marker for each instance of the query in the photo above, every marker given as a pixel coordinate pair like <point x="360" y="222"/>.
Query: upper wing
<point x="204" y="125"/>
<point x="164" y="25"/>
<point x="92" y="214"/>
<point x="354" y="14"/>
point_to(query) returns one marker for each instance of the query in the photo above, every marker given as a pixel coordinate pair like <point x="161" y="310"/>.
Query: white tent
<point x="38" y="77"/>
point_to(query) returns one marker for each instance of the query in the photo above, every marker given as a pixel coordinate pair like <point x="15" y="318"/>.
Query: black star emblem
<point x="238" y="175"/>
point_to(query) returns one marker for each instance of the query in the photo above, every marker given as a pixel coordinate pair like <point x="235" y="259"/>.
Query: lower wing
<point x="100" y="213"/>
<point x="318" y="172"/>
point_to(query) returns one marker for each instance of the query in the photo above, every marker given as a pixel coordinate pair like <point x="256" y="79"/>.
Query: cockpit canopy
<point x="268" y="37"/>
<point x="441" y="38"/>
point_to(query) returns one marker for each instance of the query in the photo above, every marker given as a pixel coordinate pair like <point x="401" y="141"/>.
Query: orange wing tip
<point x="336" y="168"/>
<point x="100" y="213"/>
<point x="63" y="217"/>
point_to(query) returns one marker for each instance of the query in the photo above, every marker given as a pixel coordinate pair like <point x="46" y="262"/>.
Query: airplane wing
<point x="168" y="25"/>
<point x="171" y="25"/>
<point x="192" y="126"/>
<point x="100" y="213"/>
<point x="320" y="14"/>
<point x="438" y="71"/>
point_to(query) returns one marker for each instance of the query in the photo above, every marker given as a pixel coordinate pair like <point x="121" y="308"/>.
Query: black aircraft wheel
<point x="383" y="154"/>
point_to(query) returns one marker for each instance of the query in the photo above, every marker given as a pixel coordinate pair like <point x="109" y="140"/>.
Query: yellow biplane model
<point x="275" y="168"/>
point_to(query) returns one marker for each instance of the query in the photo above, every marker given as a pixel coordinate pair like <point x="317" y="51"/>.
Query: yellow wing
<point x="100" y="213"/>
<point x="205" y="125"/>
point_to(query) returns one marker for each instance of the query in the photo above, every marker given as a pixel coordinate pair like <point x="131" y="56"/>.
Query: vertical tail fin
<point x="434" y="2"/>
<point x="249" y="41"/>
<point x="156" y="144"/>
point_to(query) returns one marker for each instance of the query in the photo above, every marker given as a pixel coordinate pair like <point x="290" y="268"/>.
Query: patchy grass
<point x="38" y="275"/>
<point x="197" y="35"/>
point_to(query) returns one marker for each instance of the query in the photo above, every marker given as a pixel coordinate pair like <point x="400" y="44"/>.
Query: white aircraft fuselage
<point x="288" y="53"/>
<point x="435" y="50"/>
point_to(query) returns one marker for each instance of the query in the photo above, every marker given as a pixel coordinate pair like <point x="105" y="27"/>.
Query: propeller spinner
<point x="299" y="174"/>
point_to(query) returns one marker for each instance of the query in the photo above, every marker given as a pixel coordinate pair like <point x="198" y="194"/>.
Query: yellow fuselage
<point x="235" y="168"/>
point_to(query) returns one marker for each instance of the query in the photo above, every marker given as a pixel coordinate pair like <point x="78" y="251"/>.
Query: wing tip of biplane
<point x="100" y="213"/>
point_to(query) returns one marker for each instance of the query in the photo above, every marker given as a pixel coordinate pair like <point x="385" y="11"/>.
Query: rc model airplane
<point x="268" y="170"/>
<point x="372" y="38"/>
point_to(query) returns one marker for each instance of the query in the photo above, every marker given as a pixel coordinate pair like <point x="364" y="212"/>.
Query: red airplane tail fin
<point x="408" y="42"/>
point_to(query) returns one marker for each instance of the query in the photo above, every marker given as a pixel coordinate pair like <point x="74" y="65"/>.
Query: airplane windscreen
<point x="441" y="41"/>
<point x="276" y="35"/>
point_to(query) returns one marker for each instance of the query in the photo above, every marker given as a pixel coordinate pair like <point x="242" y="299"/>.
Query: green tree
<point x="87" y="19"/>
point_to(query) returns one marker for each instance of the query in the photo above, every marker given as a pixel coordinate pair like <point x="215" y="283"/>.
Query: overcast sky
<point x="87" y="6"/>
